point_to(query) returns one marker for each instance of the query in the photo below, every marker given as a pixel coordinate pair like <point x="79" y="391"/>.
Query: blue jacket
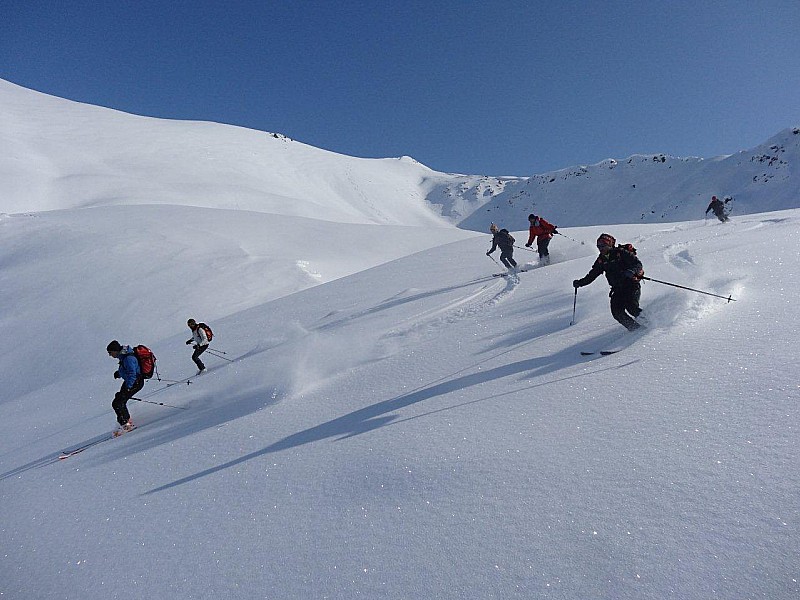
<point x="129" y="369"/>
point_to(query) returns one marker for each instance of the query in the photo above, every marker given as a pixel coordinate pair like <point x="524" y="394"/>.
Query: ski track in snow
<point x="465" y="307"/>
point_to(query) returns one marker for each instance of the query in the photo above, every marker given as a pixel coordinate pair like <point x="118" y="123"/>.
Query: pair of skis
<point x="507" y="273"/>
<point x="623" y="339"/>
<point x="78" y="449"/>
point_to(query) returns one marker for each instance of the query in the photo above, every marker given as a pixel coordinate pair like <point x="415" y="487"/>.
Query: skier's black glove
<point x="576" y="283"/>
<point x="188" y="342"/>
<point x="116" y="375"/>
<point x="554" y="232"/>
<point x="527" y="245"/>
<point x="488" y="253"/>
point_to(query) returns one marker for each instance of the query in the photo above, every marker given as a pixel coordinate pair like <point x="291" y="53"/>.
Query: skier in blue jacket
<point x="132" y="382"/>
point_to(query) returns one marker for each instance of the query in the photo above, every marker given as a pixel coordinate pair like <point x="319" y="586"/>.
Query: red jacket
<point x="541" y="228"/>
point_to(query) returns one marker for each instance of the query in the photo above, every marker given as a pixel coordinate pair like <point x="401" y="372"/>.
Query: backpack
<point x="147" y="360"/>
<point x="207" y="329"/>
<point x="629" y="247"/>
<point x="508" y="236"/>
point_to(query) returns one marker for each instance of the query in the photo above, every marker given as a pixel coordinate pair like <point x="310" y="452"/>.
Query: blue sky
<point x="497" y="88"/>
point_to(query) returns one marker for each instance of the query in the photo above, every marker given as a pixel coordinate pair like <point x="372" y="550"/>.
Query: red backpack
<point x="207" y="329"/>
<point x="147" y="360"/>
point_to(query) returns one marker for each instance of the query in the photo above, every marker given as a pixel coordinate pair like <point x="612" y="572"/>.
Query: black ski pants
<point x="198" y="350"/>
<point x="541" y="246"/>
<point x="507" y="257"/>
<point x="120" y="403"/>
<point x="624" y="300"/>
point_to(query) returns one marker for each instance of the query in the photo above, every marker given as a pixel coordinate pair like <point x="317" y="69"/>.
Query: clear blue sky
<point x="497" y="88"/>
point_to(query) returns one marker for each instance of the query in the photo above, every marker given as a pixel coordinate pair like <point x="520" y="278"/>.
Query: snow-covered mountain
<point x="62" y="154"/>
<point x="388" y="420"/>
<point x="654" y="188"/>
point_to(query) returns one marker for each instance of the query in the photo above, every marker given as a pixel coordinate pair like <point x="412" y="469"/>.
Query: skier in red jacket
<point x="544" y="231"/>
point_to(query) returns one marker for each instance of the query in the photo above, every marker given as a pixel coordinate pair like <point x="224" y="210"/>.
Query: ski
<point x="120" y="432"/>
<point x="72" y="452"/>
<point x="78" y="449"/>
<point x="506" y="273"/>
<point x="64" y="455"/>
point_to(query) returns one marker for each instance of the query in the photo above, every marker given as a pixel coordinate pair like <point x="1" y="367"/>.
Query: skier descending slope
<point x="503" y="239"/>
<point x="718" y="207"/>
<point x="544" y="231"/>
<point x="624" y="272"/>
<point x="200" y="338"/>
<point x="132" y="373"/>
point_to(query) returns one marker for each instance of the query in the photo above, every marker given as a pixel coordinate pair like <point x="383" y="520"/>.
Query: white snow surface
<point x="389" y="420"/>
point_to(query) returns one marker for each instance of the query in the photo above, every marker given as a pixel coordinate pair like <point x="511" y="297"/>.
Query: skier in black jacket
<point x="503" y="239"/>
<point x="624" y="272"/>
<point x="718" y="207"/>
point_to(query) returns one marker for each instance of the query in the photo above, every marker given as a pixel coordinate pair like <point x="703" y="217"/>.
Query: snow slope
<point x="422" y="430"/>
<point x="389" y="421"/>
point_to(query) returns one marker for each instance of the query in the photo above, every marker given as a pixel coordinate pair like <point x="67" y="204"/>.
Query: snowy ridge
<point x="643" y="188"/>
<point x="62" y="154"/>
<point x="65" y="154"/>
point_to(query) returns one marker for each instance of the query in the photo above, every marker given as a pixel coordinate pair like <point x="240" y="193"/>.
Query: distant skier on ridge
<point x="718" y="207"/>
<point x="624" y="272"/>
<point x="505" y="241"/>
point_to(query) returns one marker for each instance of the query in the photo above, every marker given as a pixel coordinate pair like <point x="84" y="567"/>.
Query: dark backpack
<point x="508" y="236"/>
<point x="147" y="360"/>
<point x="207" y="329"/>
<point x="629" y="247"/>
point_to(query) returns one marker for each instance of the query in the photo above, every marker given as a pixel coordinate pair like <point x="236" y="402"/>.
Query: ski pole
<point x="574" y="306"/>
<point x="569" y="238"/>
<point x="159" y="403"/>
<point x="213" y="353"/>
<point x="524" y="248"/>
<point x="683" y="287"/>
<point x="493" y="259"/>
<point x="171" y="382"/>
<point x="216" y="350"/>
